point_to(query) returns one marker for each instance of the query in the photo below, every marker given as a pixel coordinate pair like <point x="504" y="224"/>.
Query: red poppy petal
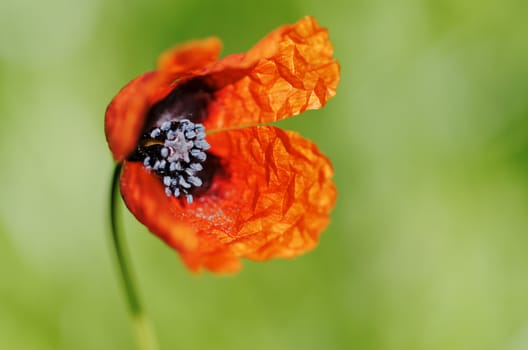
<point x="189" y="56"/>
<point x="279" y="191"/>
<point x="272" y="199"/>
<point x="172" y="221"/>
<point x="289" y="71"/>
<point x="126" y="113"/>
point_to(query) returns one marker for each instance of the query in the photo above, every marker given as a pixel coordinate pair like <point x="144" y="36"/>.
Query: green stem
<point x="145" y="336"/>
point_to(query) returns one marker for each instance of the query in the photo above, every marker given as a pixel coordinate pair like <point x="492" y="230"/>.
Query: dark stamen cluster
<point x="176" y="152"/>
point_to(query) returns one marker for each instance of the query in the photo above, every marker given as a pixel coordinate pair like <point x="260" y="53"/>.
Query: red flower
<point x="256" y="192"/>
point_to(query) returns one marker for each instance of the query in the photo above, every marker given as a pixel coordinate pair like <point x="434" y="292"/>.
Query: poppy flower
<point x="201" y="170"/>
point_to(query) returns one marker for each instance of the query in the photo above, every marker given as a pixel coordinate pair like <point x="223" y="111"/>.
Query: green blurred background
<point x="428" y="135"/>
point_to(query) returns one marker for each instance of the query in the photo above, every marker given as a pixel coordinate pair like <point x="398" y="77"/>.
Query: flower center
<point x="176" y="152"/>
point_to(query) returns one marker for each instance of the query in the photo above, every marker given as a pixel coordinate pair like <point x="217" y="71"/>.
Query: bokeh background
<point x="427" y="248"/>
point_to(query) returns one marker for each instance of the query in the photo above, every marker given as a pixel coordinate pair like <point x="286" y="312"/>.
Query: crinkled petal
<point x="279" y="191"/>
<point x="271" y="198"/>
<point x="289" y="71"/>
<point x="192" y="55"/>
